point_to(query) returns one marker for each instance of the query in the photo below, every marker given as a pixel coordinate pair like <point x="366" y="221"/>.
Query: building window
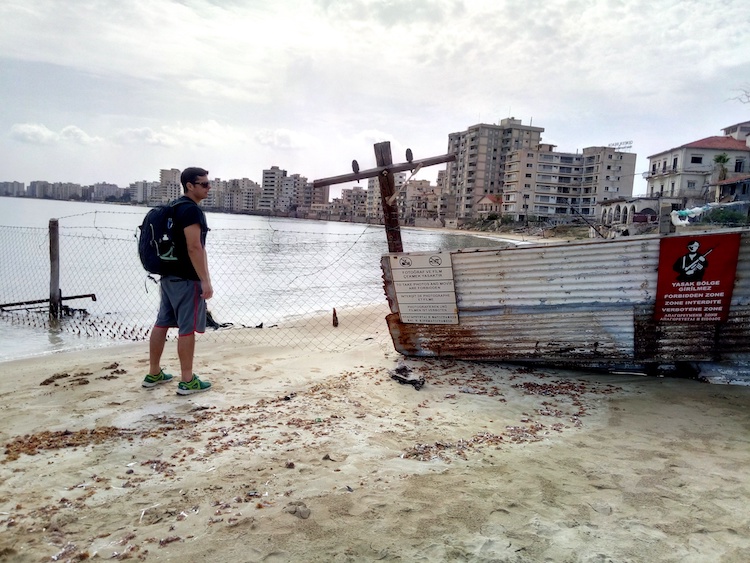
<point x="696" y="159"/>
<point x="691" y="184"/>
<point x="528" y="175"/>
<point x="739" y="165"/>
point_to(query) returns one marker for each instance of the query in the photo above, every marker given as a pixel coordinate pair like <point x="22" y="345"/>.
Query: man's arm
<point x="199" y="258"/>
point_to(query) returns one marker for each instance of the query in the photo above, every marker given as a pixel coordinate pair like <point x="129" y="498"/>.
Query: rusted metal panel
<point x="572" y="304"/>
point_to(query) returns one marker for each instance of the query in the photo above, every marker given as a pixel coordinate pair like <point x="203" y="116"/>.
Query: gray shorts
<point x="182" y="306"/>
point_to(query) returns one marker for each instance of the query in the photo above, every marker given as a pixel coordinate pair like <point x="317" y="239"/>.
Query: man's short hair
<point x="190" y="175"/>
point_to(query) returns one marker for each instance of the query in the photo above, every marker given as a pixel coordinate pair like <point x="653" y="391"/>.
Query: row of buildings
<point x="501" y="170"/>
<point x="507" y="170"/>
<point x="711" y="170"/>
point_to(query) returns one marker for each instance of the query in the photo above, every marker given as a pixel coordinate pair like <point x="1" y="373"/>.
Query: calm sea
<point x="98" y="241"/>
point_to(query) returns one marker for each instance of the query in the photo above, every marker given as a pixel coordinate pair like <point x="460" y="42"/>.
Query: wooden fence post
<point x="55" y="296"/>
<point x="384" y="157"/>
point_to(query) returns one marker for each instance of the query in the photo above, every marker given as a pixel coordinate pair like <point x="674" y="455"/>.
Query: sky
<point x="115" y="90"/>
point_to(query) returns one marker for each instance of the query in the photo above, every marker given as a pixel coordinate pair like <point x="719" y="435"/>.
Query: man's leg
<point x="185" y="351"/>
<point x="156" y="348"/>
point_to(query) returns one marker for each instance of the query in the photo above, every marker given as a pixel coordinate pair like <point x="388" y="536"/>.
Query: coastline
<point x="514" y="238"/>
<point x="323" y="456"/>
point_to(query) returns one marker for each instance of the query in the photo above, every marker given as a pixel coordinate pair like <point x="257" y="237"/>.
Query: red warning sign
<point x="696" y="277"/>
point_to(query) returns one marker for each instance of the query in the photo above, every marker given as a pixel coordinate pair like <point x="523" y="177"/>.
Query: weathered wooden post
<point x="384" y="158"/>
<point x="55" y="296"/>
<point x="384" y="171"/>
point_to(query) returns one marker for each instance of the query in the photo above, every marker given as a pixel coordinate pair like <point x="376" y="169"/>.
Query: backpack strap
<point x="178" y="201"/>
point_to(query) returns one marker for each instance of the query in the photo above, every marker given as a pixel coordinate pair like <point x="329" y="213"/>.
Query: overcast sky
<point x="115" y="90"/>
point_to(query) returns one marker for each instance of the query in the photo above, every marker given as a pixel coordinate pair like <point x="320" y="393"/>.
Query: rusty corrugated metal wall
<point x="573" y="304"/>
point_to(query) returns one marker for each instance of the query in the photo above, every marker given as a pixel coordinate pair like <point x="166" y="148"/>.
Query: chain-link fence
<point x="272" y="287"/>
<point x="276" y="281"/>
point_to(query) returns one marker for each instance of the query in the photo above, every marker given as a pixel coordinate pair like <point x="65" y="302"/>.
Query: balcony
<point x="689" y="169"/>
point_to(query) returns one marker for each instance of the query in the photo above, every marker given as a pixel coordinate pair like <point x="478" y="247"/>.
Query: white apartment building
<point x="239" y="195"/>
<point x="271" y="185"/>
<point x="142" y="191"/>
<point x="374" y="207"/>
<point x="479" y="168"/>
<point x="169" y="186"/>
<point x="417" y="200"/>
<point x="354" y="202"/>
<point x="374" y="202"/>
<point x="101" y="191"/>
<point x="543" y="184"/>
<point x="61" y="190"/>
<point x="312" y="196"/>
<point x="689" y="170"/>
<point x="12" y="188"/>
<point x="291" y="192"/>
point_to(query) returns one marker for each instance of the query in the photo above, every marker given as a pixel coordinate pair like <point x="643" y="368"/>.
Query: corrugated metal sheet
<point x="573" y="304"/>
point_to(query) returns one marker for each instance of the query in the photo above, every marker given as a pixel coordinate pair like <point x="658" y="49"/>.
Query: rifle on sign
<point x="697" y="264"/>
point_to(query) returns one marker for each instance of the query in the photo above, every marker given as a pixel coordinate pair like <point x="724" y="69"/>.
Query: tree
<point x="721" y="160"/>
<point x="744" y="95"/>
<point x="724" y="216"/>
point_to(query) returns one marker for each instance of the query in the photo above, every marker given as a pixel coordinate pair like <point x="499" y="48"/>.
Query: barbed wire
<point x="258" y="299"/>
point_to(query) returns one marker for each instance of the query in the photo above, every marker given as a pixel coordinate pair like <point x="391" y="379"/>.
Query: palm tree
<point x="721" y="160"/>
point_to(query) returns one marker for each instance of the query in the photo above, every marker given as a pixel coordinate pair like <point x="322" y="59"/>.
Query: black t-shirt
<point x="185" y="214"/>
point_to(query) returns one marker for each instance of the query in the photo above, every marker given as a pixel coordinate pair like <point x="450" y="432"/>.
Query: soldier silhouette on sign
<point x="692" y="266"/>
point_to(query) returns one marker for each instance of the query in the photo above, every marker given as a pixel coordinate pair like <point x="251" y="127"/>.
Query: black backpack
<point x="156" y="241"/>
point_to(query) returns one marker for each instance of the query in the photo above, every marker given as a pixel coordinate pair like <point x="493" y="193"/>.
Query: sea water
<point x="274" y="249"/>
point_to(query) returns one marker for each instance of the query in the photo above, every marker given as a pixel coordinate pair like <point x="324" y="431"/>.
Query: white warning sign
<point x="424" y="288"/>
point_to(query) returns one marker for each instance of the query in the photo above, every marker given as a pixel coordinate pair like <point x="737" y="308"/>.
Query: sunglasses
<point x="204" y="184"/>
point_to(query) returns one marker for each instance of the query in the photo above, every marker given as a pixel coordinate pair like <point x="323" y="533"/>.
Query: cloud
<point x="246" y="83"/>
<point x="284" y="139"/>
<point x="34" y="134"/>
<point x="388" y="13"/>
<point x="78" y="136"/>
<point x="145" y="136"/>
<point x="38" y="134"/>
<point x="209" y="133"/>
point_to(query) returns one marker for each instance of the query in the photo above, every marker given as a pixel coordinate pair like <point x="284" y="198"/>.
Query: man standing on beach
<point x="185" y="288"/>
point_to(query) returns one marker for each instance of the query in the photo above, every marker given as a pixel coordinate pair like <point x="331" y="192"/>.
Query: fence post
<point x="383" y="157"/>
<point x="55" y="296"/>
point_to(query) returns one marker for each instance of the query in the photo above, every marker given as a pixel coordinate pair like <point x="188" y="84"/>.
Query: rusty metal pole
<point x="55" y="301"/>
<point x="383" y="157"/>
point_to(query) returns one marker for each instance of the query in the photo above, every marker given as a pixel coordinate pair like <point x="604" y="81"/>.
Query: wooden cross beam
<point x="384" y="172"/>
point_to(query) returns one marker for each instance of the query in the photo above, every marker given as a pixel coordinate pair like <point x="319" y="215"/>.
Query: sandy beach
<point x="299" y="456"/>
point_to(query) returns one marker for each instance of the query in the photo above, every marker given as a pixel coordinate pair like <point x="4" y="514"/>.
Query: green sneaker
<point x="154" y="380"/>
<point x="195" y="385"/>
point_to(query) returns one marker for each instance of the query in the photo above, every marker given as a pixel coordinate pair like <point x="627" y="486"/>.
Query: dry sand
<point x="298" y="456"/>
